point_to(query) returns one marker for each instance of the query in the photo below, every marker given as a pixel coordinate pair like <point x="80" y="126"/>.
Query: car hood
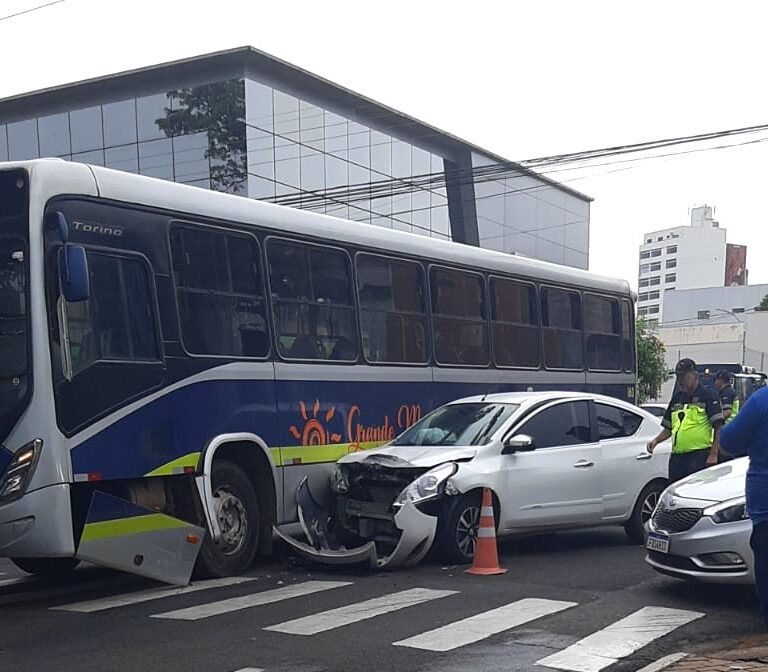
<point x="411" y="456"/>
<point x="715" y="484"/>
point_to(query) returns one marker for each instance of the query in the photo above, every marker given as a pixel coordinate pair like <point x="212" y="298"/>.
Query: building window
<point x="643" y="297"/>
<point x="652" y="296"/>
<point x="642" y="312"/>
<point x="656" y="280"/>
<point x="645" y="255"/>
<point x="644" y="268"/>
<point x="644" y="283"/>
<point x="659" y="239"/>
<point x="656" y="252"/>
<point x="652" y="324"/>
<point x="671" y="263"/>
<point x="393" y="317"/>
<point x="672" y="249"/>
<point x="655" y="267"/>
<point x="648" y="240"/>
<point x="702" y="315"/>
<point x="670" y="277"/>
<point x="654" y="309"/>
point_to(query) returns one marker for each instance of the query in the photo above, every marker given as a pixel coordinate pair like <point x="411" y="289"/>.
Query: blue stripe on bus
<point x="283" y="414"/>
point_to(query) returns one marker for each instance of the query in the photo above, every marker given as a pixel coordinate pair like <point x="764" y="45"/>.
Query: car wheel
<point x="237" y="510"/>
<point x="46" y="566"/>
<point x="457" y="528"/>
<point x="641" y="514"/>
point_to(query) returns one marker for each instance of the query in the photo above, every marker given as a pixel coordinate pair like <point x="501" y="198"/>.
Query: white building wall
<point x="692" y="304"/>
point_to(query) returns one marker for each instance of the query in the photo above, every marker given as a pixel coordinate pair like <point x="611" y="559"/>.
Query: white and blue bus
<point x="174" y="362"/>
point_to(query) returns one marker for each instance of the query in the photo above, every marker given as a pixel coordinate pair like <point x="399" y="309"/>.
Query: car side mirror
<point x="519" y="443"/>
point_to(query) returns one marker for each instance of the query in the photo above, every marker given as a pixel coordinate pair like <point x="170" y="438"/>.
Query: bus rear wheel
<point x="46" y="566"/>
<point x="237" y="512"/>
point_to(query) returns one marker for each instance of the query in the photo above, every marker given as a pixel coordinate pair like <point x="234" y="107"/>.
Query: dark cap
<point x="684" y="366"/>
<point x="724" y="375"/>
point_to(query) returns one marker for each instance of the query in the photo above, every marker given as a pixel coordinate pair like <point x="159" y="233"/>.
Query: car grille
<point x="677" y="520"/>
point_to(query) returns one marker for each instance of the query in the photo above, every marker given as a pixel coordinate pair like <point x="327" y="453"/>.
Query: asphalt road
<point x="577" y="583"/>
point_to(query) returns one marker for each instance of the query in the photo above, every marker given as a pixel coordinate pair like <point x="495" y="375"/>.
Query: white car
<point x="553" y="461"/>
<point x="700" y="530"/>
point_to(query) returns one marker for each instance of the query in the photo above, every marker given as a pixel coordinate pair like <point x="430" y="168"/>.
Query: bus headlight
<point x="19" y="472"/>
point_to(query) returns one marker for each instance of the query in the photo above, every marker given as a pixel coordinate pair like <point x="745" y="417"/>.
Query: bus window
<point x="312" y="302"/>
<point x="458" y="309"/>
<point x="221" y="302"/>
<point x="393" y="317"/>
<point x="602" y="325"/>
<point x="515" y="324"/>
<point x="561" y="322"/>
<point x="627" y="337"/>
<point x="117" y="323"/>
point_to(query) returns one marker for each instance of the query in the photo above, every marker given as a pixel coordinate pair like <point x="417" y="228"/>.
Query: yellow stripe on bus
<point x="183" y="462"/>
<point x="290" y="455"/>
<point x="123" y="527"/>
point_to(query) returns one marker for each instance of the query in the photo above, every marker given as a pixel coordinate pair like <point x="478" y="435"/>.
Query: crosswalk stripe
<point x="360" y="611"/>
<point x="250" y="669"/>
<point x="619" y="640"/>
<point x="252" y="600"/>
<point x="484" y="625"/>
<point x="664" y="663"/>
<point x="123" y="600"/>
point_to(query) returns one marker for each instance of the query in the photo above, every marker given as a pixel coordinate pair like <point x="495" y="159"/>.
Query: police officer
<point x="693" y="419"/>
<point x="728" y="400"/>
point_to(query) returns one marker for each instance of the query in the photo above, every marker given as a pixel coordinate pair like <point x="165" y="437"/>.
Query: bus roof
<point x="127" y="187"/>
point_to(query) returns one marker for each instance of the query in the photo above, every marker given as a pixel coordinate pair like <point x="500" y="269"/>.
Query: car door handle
<point x="583" y="464"/>
<point x="644" y="456"/>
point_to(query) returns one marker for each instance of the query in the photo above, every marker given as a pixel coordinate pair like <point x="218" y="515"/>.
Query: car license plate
<point x="657" y="542"/>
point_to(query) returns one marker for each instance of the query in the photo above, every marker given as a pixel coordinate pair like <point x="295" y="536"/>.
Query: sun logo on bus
<point x="315" y="433"/>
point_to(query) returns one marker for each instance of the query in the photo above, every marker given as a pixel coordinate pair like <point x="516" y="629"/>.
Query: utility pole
<point x="743" y="333"/>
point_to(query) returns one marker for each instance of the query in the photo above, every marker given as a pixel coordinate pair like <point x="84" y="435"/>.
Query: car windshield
<point x="471" y="424"/>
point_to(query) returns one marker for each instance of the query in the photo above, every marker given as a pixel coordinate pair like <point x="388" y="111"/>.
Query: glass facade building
<point x="244" y="123"/>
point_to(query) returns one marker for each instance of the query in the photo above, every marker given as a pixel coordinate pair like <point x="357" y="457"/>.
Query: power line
<point x="32" y="9"/>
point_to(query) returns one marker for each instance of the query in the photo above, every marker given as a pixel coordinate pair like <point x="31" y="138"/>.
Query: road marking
<point x="250" y="669"/>
<point x="664" y="663"/>
<point x="620" y="639"/>
<point x="360" y="611"/>
<point x="252" y="600"/>
<point x="125" y="599"/>
<point x="482" y="626"/>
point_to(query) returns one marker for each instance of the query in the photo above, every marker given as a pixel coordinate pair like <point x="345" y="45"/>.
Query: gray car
<point x="700" y="530"/>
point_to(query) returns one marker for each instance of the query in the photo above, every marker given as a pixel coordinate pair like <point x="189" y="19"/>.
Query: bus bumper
<point x="38" y="525"/>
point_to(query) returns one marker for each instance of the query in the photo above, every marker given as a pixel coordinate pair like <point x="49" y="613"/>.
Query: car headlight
<point x="339" y="481"/>
<point x="19" y="472"/>
<point x="427" y="486"/>
<point x="731" y="511"/>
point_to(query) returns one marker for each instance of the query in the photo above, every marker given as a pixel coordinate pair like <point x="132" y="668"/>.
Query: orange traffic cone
<point x="486" y="559"/>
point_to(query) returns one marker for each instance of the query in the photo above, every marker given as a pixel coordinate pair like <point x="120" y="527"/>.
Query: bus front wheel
<point x="237" y="512"/>
<point x="46" y="566"/>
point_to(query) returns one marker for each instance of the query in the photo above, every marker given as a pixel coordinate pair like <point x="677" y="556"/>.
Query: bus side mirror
<point x="73" y="273"/>
<point x="519" y="443"/>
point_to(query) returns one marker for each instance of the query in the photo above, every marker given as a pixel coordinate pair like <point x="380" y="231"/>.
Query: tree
<point x="763" y="304"/>
<point x="651" y="365"/>
<point x="219" y="110"/>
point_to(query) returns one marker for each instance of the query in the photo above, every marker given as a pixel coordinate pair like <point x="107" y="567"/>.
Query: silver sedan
<point x="700" y="530"/>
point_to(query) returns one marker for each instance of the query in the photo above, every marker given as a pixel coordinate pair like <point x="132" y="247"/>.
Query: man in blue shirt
<point x="747" y="434"/>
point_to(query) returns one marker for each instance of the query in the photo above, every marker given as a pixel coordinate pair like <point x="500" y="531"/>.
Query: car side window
<point x="616" y="423"/>
<point x="562" y="425"/>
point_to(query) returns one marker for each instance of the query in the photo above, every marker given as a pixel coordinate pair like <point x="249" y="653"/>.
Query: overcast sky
<point x="522" y="79"/>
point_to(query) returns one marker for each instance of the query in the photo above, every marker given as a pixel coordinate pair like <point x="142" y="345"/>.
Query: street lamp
<point x="743" y="333"/>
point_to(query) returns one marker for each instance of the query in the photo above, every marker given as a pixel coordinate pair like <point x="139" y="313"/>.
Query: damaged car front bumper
<point x="416" y="534"/>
